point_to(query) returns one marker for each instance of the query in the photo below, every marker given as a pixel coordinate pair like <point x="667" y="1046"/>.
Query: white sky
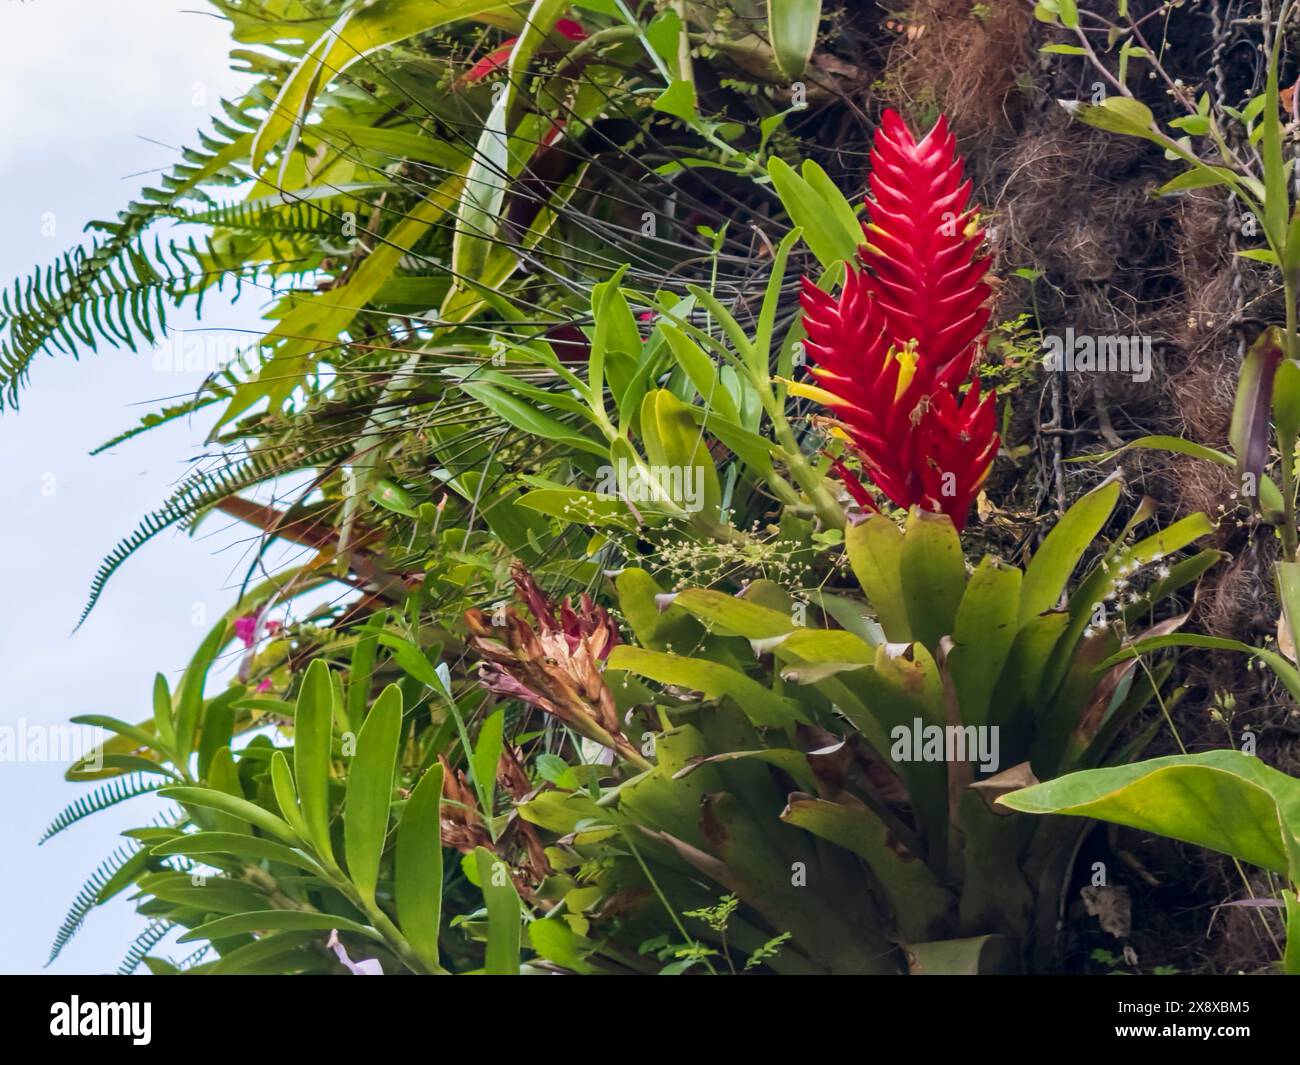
<point x="95" y="93"/>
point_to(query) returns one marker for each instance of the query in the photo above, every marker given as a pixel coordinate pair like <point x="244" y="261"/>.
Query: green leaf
<point x="1176" y="444"/>
<point x="411" y="659"/>
<point x="822" y="229"/>
<point x="394" y="498"/>
<point x="933" y="572"/>
<point x="190" y="696"/>
<point x="525" y="416"/>
<point x="1119" y="114"/>
<point x="792" y="28"/>
<point x="1200" y="177"/>
<point x="875" y="549"/>
<point x="1291" y="959"/>
<point x="1276" y="202"/>
<point x="363" y="662"/>
<point x="1049" y="570"/>
<point x="761" y="705"/>
<point x="211" y="799"/>
<point x="1261" y="255"/>
<point x="210" y="894"/>
<point x="275" y="921"/>
<point x="162" y="711"/>
<point x="578" y="507"/>
<point x="653" y="628"/>
<point x="1270" y="496"/>
<point x="983" y="634"/>
<point x="487" y="752"/>
<point x="615" y="331"/>
<point x="678" y="100"/>
<point x="419" y="868"/>
<point x="503" y="912"/>
<point x="273" y="954"/>
<point x="218" y="727"/>
<point x="312" y="732"/>
<point x="238" y="844"/>
<point x="834" y="201"/>
<point x="1286" y="671"/>
<point x="915" y="895"/>
<point x="1287" y="576"/>
<point x="702" y="371"/>
<point x="1286" y="400"/>
<point x="555" y="941"/>
<point x="370" y="790"/>
<point x="730" y="616"/>
<point x="136" y="733"/>
<point x="359" y="31"/>
<point x="979" y="955"/>
<point x="286" y="795"/>
<point x="677" y="452"/>
<point x="1227" y="801"/>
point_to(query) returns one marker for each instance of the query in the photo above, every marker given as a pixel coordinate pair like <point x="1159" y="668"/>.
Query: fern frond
<point x="192" y="959"/>
<point x="196" y="494"/>
<point x="267" y="219"/>
<point x="167" y="414"/>
<point x="118" y="295"/>
<point x="144" y="942"/>
<point x="114" y="289"/>
<point x="90" y="895"/>
<point x="110" y="793"/>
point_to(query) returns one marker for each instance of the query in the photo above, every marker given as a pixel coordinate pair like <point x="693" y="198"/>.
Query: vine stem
<point x="813" y="484"/>
<point x="1286" y="440"/>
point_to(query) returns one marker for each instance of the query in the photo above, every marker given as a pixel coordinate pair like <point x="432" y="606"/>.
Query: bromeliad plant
<point x="793" y="764"/>
<point x="492" y="370"/>
<point x="782" y="770"/>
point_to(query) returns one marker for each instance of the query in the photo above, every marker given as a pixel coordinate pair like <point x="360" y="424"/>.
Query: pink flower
<point x="246" y="629"/>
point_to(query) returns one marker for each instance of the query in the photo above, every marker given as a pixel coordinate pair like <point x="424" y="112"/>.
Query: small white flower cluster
<point x="688" y="563"/>
<point x="1121" y="592"/>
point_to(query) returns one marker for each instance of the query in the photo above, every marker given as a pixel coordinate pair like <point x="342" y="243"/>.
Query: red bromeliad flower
<point x="895" y="347"/>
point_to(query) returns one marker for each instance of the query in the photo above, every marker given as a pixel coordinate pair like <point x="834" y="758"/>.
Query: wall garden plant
<point x="648" y="396"/>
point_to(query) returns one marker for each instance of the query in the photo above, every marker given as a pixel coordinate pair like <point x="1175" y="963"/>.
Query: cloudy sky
<point x="98" y="96"/>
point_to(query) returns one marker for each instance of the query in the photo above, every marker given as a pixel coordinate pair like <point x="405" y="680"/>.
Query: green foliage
<point x="547" y="316"/>
<point x="1227" y="801"/>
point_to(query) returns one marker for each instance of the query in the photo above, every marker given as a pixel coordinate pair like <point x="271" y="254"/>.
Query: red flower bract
<point x="894" y="348"/>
